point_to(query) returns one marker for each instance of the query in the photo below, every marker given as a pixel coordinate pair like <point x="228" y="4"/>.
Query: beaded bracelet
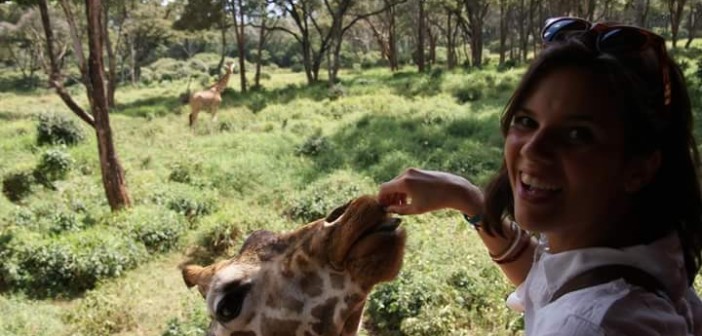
<point x="474" y="221"/>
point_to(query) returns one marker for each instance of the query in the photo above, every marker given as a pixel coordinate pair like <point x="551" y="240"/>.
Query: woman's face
<point x="564" y="153"/>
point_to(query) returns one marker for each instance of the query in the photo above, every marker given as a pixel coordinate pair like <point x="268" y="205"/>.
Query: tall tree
<point x="421" y="29"/>
<point x="477" y="10"/>
<point x="675" y="12"/>
<point x="237" y="10"/>
<point x="693" y="21"/>
<point x="112" y="172"/>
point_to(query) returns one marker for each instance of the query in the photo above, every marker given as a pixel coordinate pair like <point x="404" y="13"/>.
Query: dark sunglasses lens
<point x="562" y="29"/>
<point x="622" y="40"/>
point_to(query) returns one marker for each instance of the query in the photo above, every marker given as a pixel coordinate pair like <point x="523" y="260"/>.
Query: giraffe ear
<point x="191" y="274"/>
<point x="199" y="276"/>
<point x="336" y="213"/>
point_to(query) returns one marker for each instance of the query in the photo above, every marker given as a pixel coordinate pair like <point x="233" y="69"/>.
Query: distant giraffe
<point x="211" y="98"/>
<point x="313" y="281"/>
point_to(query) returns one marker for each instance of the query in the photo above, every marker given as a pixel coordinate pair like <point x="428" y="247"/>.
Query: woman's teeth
<point x="534" y="182"/>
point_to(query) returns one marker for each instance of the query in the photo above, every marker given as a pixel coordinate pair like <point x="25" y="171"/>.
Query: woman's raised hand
<point x="417" y="191"/>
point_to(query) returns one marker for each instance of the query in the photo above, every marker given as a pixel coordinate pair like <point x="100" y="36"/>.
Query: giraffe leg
<point x="193" y="117"/>
<point x="214" y="114"/>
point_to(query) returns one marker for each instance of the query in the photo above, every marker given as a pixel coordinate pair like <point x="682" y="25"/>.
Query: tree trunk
<point x="420" y="38"/>
<point x="675" y="10"/>
<point x="111" y="60"/>
<point x="54" y="73"/>
<point x="503" y="30"/>
<point x="693" y="21"/>
<point x="112" y="173"/>
<point x="392" y="40"/>
<point x="239" y="28"/>
<point x="450" y="41"/>
<point x="223" y="54"/>
<point x="642" y="7"/>
<point x="259" y="51"/>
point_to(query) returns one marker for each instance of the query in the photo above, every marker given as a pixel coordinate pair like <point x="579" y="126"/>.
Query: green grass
<point x="267" y="161"/>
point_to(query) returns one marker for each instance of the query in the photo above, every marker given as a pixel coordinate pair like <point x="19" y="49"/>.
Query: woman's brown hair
<point x="672" y="201"/>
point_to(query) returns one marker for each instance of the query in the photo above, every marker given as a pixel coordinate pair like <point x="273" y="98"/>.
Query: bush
<point x="159" y="230"/>
<point x="297" y="67"/>
<point x="100" y="314"/>
<point x="324" y="195"/>
<point x="17" y="186"/>
<point x="67" y="264"/>
<point x="467" y="94"/>
<point x="314" y="145"/>
<point x="54" y="164"/>
<point x="55" y="129"/>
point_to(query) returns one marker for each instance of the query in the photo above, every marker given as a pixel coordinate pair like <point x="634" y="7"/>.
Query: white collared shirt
<point x="614" y="308"/>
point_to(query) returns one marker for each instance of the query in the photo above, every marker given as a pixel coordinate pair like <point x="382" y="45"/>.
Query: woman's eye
<point x="524" y="122"/>
<point x="580" y="135"/>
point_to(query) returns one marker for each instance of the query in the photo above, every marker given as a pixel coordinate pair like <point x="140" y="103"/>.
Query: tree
<point x="675" y="10"/>
<point x="693" y="21"/>
<point x="477" y="10"/>
<point x="237" y="10"/>
<point x="112" y="172"/>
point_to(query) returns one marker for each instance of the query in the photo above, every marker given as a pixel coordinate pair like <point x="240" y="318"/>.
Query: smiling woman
<point x="600" y="164"/>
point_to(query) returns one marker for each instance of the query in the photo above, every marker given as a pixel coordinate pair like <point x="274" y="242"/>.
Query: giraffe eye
<point x="230" y="305"/>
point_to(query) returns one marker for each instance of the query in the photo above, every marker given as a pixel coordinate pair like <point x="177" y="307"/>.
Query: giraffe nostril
<point x="230" y="306"/>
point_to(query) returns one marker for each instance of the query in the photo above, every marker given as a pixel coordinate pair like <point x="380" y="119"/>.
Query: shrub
<point x="67" y="264"/>
<point x="100" y="314"/>
<point x="466" y="94"/>
<point x="63" y="222"/>
<point x="180" y="173"/>
<point x="54" y="164"/>
<point x="393" y="302"/>
<point x="159" y="230"/>
<point x="297" y="67"/>
<point x="314" y="145"/>
<point x="324" y="195"/>
<point x="17" y="186"/>
<point x="57" y="129"/>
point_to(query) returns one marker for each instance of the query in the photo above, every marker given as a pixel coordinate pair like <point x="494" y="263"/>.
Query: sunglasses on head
<point x="612" y="39"/>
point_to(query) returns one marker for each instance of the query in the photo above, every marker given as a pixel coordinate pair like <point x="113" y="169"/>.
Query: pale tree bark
<point x="112" y="172"/>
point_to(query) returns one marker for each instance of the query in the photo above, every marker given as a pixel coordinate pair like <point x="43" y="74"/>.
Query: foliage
<point x="64" y="265"/>
<point x="58" y="129"/>
<point x="324" y="195"/>
<point x="159" y="230"/>
<point x="106" y="315"/>
<point x="18" y="185"/>
<point x="54" y="164"/>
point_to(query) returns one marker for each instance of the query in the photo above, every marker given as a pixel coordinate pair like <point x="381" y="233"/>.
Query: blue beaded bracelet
<point x="474" y="221"/>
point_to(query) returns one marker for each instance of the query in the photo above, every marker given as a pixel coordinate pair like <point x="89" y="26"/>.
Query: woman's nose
<point x="539" y="148"/>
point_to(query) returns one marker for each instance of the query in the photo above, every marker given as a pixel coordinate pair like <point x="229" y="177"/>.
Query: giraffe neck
<point x="222" y="83"/>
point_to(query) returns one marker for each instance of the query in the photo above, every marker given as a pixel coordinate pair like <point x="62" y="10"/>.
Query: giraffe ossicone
<point x="312" y="281"/>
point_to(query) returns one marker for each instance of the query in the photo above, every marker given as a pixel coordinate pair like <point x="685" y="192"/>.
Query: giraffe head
<point x="312" y="281"/>
<point x="229" y="67"/>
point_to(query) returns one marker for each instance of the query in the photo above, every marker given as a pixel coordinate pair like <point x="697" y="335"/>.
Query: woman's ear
<point x="643" y="171"/>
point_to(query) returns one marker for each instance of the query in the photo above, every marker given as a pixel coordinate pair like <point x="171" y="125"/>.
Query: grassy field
<point x="275" y="159"/>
